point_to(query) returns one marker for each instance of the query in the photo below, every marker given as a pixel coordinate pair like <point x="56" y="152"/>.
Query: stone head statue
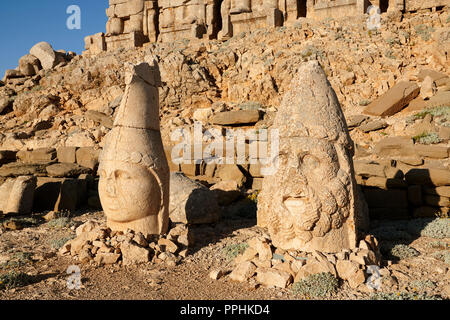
<point x="134" y="174"/>
<point x="310" y="202"/>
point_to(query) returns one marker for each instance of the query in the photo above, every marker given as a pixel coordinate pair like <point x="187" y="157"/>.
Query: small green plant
<point x="424" y="31"/>
<point x="316" y="285"/>
<point x="402" y="296"/>
<point x="233" y="250"/>
<point x="390" y="54"/>
<point x="422" y="285"/>
<point x="59" y="223"/>
<point x="14" y="279"/>
<point x="443" y="256"/>
<point x="59" y="242"/>
<point x="427" y="138"/>
<point x="436" y="228"/>
<point x="364" y="102"/>
<point x="403" y="251"/>
<point x="18" y="259"/>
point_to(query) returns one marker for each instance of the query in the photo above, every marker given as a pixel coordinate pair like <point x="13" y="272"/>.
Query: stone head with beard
<point x="310" y="202"/>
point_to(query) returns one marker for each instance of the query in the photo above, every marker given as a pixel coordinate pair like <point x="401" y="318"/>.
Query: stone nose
<point x="111" y="186"/>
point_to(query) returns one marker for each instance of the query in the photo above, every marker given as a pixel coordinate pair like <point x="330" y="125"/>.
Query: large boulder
<point x="191" y="202"/>
<point x="45" y="53"/>
<point x="29" y="65"/>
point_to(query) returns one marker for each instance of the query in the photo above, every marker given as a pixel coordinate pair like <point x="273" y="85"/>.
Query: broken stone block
<point x="60" y="170"/>
<point x="362" y="168"/>
<point x="373" y="125"/>
<point x="66" y="154"/>
<point x="37" y="156"/>
<point x="394" y="100"/>
<point x="133" y="254"/>
<point x="437" y="152"/>
<point x="231" y="172"/>
<point x="395" y="147"/>
<point x="262" y="246"/>
<point x="107" y="258"/>
<point x="88" y="157"/>
<point x="243" y="271"/>
<point x="350" y="271"/>
<point x="235" y="117"/>
<point x="273" y="277"/>
<point x="17" y="195"/>
<point x="430" y="176"/>
<point x="191" y="202"/>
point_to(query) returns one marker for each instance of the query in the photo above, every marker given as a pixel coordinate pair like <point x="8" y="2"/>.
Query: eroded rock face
<point x="310" y="203"/>
<point x="134" y="174"/>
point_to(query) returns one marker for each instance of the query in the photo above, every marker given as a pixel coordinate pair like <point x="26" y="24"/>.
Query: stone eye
<point x="121" y="174"/>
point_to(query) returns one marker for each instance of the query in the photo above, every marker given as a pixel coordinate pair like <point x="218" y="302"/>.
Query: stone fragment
<point x="87" y="227"/>
<point x="394" y="100"/>
<point x="226" y="192"/>
<point x="365" y="169"/>
<point x="216" y="274"/>
<point x="314" y="160"/>
<point x="29" y="65"/>
<point x="133" y="254"/>
<point x="107" y="258"/>
<point x="395" y="147"/>
<point x="430" y="176"/>
<point x="100" y="117"/>
<point x="350" y="271"/>
<point x="238" y="117"/>
<point x="231" y="172"/>
<point x="134" y="174"/>
<point x="385" y="183"/>
<point x="356" y="120"/>
<point x="167" y="245"/>
<point x="428" y="88"/>
<point x="248" y="255"/>
<point x="191" y="202"/>
<point x="37" y="156"/>
<point x="88" y="157"/>
<point x="66" y="170"/>
<point x="45" y="53"/>
<point x="273" y="278"/>
<point x="373" y="125"/>
<point x="243" y="271"/>
<point x="66" y="154"/>
<point x="437" y="152"/>
<point x="17" y="195"/>
<point x="16" y="169"/>
<point x="262" y="246"/>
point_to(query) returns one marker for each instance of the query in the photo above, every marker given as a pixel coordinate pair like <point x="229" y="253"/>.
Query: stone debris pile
<point x="99" y="245"/>
<point x="270" y="267"/>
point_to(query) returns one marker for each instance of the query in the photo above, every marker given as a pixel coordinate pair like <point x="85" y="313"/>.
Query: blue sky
<point x="23" y="23"/>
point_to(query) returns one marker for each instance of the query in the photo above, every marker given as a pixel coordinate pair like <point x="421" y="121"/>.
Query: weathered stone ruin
<point x="133" y="23"/>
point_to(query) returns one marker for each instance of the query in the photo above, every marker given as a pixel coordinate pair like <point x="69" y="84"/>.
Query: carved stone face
<point x="316" y="190"/>
<point x="128" y="192"/>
